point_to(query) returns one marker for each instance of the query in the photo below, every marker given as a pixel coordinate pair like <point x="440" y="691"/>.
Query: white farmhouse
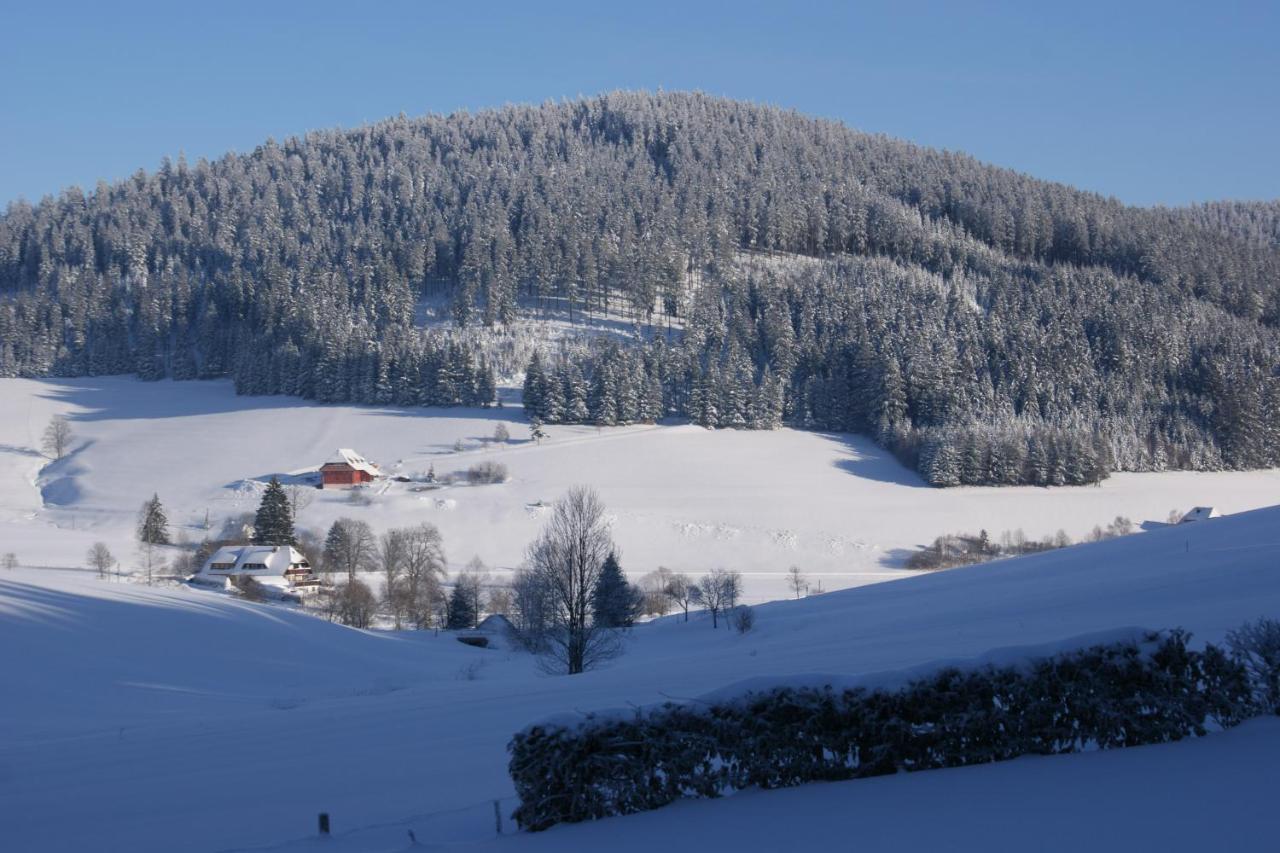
<point x="277" y="565"/>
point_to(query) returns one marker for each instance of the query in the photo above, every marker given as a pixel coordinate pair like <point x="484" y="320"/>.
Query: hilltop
<point x="986" y="327"/>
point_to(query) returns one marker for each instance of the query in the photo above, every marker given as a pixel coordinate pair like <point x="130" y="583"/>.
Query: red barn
<point x="347" y="468"/>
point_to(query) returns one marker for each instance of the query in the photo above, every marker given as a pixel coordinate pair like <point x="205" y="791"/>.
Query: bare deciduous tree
<point x="350" y="547"/>
<point x="300" y="497"/>
<point x="530" y="609"/>
<point x="9" y="561"/>
<point x="500" y="600"/>
<point x="150" y="559"/>
<point x="100" y="558"/>
<point x="391" y="554"/>
<point x="796" y="581"/>
<point x="567" y="557"/>
<point x="718" y="591"/>
<point x="424" y="569"/>
<point x="683" y="592"/>
<point x="654" y="586"/>
<point x="353" y="604"/>
<point x="57" y="437"/>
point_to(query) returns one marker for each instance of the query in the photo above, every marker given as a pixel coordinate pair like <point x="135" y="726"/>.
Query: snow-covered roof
<point x="1200" y="513"/>
<point x="264" y="561"/>
<point x="347" y="456"/>
<point x="495" y="622"/>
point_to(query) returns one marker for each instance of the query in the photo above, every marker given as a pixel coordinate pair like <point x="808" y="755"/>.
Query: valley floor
<point x="167" y="719"/>
<point x="172" y="719"/>
<point x="835" y="505"/>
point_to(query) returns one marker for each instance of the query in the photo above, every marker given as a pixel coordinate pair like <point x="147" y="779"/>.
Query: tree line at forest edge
<point x="985" y="326"/>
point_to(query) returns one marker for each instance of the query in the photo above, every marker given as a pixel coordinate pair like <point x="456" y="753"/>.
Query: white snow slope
<point x="680" y="496"/>
<point x="171" y="719"/>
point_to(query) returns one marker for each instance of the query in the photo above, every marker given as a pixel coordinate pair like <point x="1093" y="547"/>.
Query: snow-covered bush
<point x="250" y="588"/>
<point x="743" y="618"/>
<point x="483" y="473"/>
<point x="1150" y="689"/>
<point x="1256" y="647"/>
<point x="353" y="603"/>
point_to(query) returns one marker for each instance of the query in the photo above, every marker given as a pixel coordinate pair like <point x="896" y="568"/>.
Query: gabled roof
<point x="235" y="557"/>
<point x="347" y="456"/>
<point x="1200" y="513"/>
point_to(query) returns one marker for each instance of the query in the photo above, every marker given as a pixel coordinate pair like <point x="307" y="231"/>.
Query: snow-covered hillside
<point x="680" y="496"/>
<point x="171" y="719"/>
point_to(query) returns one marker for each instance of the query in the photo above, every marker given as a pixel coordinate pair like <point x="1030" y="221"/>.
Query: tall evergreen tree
<point x="273" y="524"/>
<point x="462" y="611"/>
<point x="615" y="603"/>
<point x="153" y="524"/>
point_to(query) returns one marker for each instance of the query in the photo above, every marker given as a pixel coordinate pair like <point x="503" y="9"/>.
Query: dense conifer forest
<point x="986" y="326"/>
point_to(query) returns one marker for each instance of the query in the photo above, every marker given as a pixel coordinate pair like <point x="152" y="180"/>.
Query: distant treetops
<point x="758" y="267"/>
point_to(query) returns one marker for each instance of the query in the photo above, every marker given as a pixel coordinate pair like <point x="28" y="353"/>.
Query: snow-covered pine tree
<point x="462" y="612"/>
<point x="615" y="603"/>
<point x="273" y="523"/>
<point x="153" y="524"/>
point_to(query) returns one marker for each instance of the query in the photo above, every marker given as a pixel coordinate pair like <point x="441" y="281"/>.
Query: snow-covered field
<point x="171" y="719"/>
<point x="680" y="496"/>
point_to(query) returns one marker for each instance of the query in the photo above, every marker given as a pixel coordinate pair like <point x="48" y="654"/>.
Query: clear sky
<point x="1154" y="103"/>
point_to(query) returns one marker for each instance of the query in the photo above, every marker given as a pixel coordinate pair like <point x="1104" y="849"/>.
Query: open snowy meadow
<point x="167" y="718"/>
<point x="679" y="496"/>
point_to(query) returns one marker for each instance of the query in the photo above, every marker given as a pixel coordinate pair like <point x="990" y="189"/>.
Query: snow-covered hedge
<point x="1143" y="689"/>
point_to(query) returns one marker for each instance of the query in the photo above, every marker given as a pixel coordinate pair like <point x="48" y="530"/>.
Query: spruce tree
<point x="462" y="612"/>
<point x="614" y="602"/>
<point x="153" y="525"/>
<point x="273" y="525"/>
<point x="534" y="388"/>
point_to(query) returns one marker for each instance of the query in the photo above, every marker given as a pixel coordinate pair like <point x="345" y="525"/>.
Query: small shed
<point x="1200" y="513"/>
<point x="276" y="565"/>
<point x="347" y="468"/>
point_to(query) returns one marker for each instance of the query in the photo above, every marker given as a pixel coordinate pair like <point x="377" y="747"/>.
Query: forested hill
<point x="957" y="306"/>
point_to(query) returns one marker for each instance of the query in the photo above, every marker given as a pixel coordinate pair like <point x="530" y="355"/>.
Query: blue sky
<point x="1155" y="103"/>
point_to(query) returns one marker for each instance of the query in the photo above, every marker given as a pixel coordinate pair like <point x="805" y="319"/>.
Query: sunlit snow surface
<point x="173" y="719"/>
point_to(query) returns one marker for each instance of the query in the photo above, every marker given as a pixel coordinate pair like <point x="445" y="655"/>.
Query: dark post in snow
<point x="497" y="816"/>
<point x="324" y="823"/>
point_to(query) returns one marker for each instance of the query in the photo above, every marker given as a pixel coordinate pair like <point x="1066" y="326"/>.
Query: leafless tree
<point x="300" y="497"/>
<point x="478" y="580"/>
<point x="530" y="609"/>
<point x="501" y="434"/>
<point x="100" y="558"/>
<point x="391" y="554"/>
<point x="150" y="560"/>
<point x="424" y="569"/>
<point x="718" y="591"/>
<point x="57" y="437"/>
<point x="743" y="618"/>
<point x="500" y="600"/>
<point x="354" y="604"/>
<point x="796" y="580"/>
<point x="683" y="592"/>
<point x="567" y="557"/>
<point x="9" y="561"/>
<point x="654" y="586"/>
<point x="350" y="547"/>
